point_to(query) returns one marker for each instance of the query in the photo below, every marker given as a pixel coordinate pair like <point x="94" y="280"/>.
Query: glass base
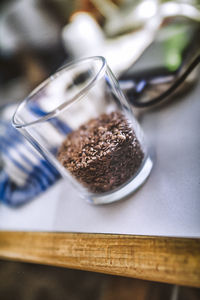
<point x="127" y="189"/>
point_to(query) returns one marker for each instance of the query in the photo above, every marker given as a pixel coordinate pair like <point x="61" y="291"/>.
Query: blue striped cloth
<point x="24" y="173"/>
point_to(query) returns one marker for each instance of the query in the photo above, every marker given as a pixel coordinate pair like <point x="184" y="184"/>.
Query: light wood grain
<point x="171" y="260"/>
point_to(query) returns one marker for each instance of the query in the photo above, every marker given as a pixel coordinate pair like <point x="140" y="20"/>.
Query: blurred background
<point x="20" y="281"/>
<point x="37" y="37"/>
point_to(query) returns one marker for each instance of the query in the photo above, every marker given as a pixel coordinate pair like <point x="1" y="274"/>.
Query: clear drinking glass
<point x="81" y="122"/>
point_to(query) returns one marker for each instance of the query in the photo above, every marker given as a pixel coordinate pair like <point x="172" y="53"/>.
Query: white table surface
<point x="168" y="204"/>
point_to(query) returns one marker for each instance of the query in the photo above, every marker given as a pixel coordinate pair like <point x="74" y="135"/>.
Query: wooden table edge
<point x="163" y="259"/>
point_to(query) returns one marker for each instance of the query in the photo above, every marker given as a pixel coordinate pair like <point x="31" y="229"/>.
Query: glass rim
<point x="64" y="105"/>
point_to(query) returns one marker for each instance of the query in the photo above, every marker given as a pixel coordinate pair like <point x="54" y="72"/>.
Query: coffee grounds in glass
<point x="102" y="154"/>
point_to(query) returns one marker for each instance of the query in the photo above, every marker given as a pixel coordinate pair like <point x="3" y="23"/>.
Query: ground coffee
<point x="102" y="154"/>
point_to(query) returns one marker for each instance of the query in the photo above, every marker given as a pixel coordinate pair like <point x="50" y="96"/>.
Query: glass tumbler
<point x="81" y="122"/>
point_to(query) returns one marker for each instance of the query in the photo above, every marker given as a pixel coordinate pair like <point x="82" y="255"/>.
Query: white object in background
<point x="171" y="9"/>
<point x="83" y="37"/>
<point x="131" y="16"/>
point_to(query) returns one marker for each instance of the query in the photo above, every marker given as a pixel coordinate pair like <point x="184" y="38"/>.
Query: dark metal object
<point x="146" y="85"/>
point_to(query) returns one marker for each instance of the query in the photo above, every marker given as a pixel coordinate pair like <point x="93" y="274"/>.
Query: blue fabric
<point x="13" y="195"/>
<point x="38" y="177"/>
<point x="62" y="127"/>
